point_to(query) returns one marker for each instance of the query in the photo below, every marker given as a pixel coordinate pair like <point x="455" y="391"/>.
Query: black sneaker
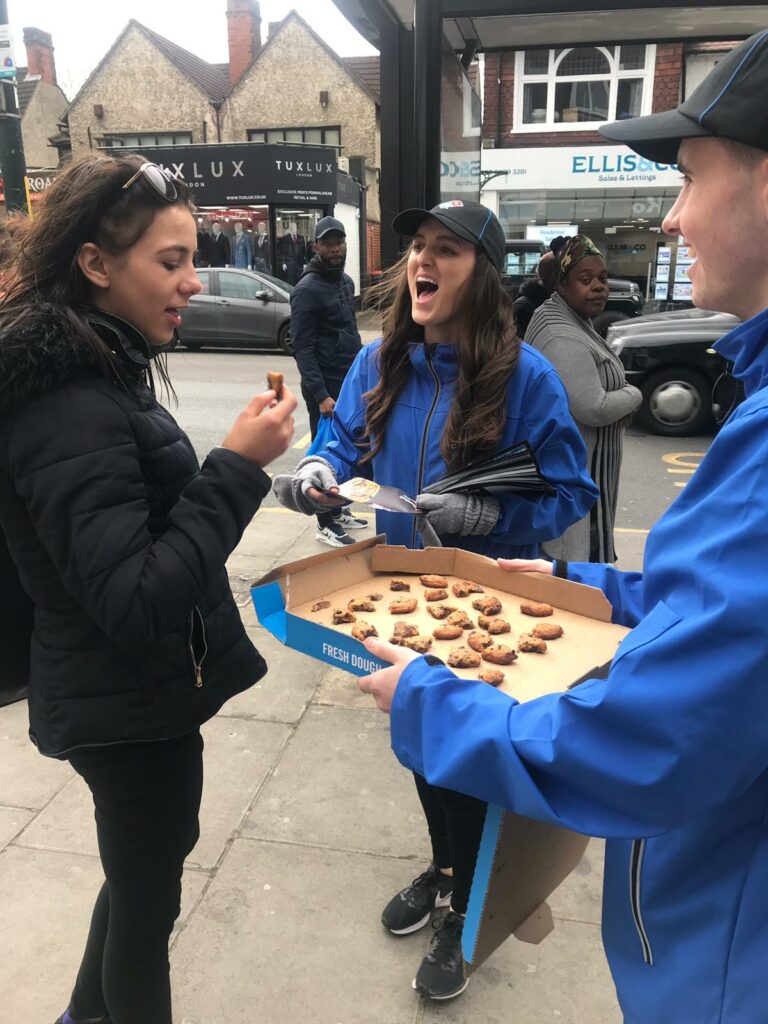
<point x="333" y="535"/>
<point x="411" y="908"/>
<point x="441" y="975"/>
<point x="90" y="1020"/>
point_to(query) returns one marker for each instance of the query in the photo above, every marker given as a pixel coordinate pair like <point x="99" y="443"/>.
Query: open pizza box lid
<point x="521" y="861"/>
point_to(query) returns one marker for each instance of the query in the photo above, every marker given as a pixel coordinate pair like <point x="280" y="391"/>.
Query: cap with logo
<point x="469" y="220"/>
<point x="327" y="224"/>
<point x="729" y="104"/>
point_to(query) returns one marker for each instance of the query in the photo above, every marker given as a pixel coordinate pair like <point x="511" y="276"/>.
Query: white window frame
<point x="550" y="79"/>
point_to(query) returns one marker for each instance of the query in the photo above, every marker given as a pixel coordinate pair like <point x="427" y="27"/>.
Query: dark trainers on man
<point x="441" y="975"/>
<point x="333" y="535"/>
<point x="350" y="522"/>
<point x="411" y="908"/>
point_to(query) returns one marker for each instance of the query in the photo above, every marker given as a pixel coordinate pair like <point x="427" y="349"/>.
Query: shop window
<point x="578" y="88"/>
<point x="307" y="136"/>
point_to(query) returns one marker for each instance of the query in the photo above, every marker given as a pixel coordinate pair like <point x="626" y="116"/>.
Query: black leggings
<point x="313" y="408"/>
<point x="455" y="823"/>
<point x="147" y="800"/>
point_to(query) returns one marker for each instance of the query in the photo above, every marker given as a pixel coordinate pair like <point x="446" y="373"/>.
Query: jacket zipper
<point x="197" y="666"/>
<point x="422" y="452"/>
<point x="635" y="873"/>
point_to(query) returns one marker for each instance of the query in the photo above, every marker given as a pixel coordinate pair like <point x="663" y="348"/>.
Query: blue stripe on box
<point x="481" y="881"/>
<point x="310" y="638"/>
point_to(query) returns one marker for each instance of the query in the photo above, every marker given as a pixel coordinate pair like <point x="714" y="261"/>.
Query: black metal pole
<point x="428" y="39"/>
<point x="13" y="165"/>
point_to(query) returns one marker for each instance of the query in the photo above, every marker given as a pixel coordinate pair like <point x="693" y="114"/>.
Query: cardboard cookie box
<point x="521" y="861"/>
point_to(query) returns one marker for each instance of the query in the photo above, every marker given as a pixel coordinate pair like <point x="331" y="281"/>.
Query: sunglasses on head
<point x="159" y="180"/>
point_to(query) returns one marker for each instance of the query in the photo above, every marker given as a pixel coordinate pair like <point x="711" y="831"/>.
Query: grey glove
<point x="455" y="514"/>
<point x="291" y="491"/>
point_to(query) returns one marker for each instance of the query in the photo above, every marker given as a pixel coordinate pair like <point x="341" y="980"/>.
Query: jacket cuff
<point x="560" y="569"/>
<point x="258" y="478"/>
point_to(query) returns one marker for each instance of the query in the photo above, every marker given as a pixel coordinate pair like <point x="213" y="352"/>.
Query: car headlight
<point x="634" y="287"/>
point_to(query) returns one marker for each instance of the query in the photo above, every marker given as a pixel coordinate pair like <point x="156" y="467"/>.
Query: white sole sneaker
<point x="332" y="540"/>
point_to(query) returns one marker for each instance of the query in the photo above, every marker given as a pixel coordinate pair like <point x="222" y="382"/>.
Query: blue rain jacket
<point x="537" y="412"/>
<point x="668" y="756"/>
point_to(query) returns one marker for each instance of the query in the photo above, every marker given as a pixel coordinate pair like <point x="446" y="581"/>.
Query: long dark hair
<point x="487" y="352"/>
<point x="87" y="203"/>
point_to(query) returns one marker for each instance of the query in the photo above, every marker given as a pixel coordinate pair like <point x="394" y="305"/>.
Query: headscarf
<point x="574" y="250"/>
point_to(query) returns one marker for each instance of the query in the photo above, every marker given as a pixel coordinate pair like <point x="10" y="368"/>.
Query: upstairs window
<point x="579" y="88"/>
<point x="308" y="136"/>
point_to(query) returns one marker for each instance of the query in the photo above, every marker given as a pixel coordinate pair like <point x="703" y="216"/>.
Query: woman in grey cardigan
<point x="599" y="396"/>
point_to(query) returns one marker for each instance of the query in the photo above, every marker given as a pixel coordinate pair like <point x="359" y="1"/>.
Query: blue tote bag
<point x="325" y="433"/>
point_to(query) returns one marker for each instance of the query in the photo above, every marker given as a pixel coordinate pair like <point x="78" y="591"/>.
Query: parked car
<point x="522" y="255"/>
<point x="238" y="309"/>
<point x="684" y="381"/>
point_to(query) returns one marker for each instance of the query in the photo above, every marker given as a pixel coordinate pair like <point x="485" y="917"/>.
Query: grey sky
<point x="83" y="30"/>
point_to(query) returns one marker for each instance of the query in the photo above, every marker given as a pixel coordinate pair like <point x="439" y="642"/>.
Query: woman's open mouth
<point x="425" y="288"/>
<point x="173" y="315"/>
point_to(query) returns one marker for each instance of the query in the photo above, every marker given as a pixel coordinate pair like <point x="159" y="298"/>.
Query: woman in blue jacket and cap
<point x="449" y="384"/>
<point x="668" y="756"/>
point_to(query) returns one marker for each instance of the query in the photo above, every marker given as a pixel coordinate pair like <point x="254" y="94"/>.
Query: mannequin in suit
<point x="219" y="254"/>
<point x="293" y="253"/>
<point x="242" y="248"/>
<point x="261" y="254"/>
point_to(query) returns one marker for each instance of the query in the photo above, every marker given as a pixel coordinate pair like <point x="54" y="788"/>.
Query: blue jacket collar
<point x="746" y="347"/>
<point x="442" y="359"/>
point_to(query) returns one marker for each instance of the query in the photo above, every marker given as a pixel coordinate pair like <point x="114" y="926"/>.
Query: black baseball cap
<point x="328" y="224"/>
<point x="729" y="104"/>
<point x="469" y="220"/>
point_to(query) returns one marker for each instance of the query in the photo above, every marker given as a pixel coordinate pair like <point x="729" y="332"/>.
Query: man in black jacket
<point x="325" y="343"/>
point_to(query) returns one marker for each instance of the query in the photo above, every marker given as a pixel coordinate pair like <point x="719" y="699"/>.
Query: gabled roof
<point x="368" y="69"/>
<point x="210" y="78"/>
<point x="297" y="18"/>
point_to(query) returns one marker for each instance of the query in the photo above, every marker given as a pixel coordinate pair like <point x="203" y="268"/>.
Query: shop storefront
<point x="607" y="192"/>
<point x="258" y="204"/>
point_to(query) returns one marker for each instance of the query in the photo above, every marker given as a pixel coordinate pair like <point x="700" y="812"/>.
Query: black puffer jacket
<point x="530" y="296"/>
<point x="120" y="541"/>
<point x="323" y="326"/>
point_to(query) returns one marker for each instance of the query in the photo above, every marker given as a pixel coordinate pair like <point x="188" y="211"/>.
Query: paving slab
<point x="12" y="821"/>
<point x="339" y="785"/>
<point x="238" y="756"/>
<point x="339" y="688"/>
<point x="289" y="933"/>
<point x="287" y="688"/>
<point x="564" y="980"/>
<point x="27" y="779"/>
<point x="47" y="900"/>
<point x="275" y="531"/>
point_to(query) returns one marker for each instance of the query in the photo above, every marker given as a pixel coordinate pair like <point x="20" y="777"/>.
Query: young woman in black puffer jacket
<point x="119" y="540"/>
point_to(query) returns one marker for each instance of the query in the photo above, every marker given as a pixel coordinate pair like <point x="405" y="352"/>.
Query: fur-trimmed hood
<point x="51" y="347"/>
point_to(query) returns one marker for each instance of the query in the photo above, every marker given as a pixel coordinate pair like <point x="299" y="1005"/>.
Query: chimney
<point x="39" y="46"/>
<point x="244" y="32"/>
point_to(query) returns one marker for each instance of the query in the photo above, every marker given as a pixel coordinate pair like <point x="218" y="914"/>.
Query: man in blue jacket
<point x="667" y="757"/>
<point x="325" y="343"/>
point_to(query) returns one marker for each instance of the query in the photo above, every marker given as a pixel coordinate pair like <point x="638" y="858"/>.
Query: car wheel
<point x="676" y="402"/>
<point x="192" y="346"/>
<point x="284" y="339"/>
<point x="603" y="321"/>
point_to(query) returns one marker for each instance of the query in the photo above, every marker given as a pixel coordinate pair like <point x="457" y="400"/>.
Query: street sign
<point x="7" y="60"/>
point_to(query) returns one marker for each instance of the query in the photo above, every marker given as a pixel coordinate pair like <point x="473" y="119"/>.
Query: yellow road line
<point x="303" y="442"/>
<point x="688" y="472"/>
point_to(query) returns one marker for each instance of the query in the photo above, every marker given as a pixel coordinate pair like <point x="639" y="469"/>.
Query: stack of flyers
<point x="377" y="495"/>
<point x="511" y="471"/>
